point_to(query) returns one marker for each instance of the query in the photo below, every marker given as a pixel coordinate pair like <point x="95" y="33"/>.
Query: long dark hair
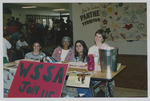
<point x="85" y="50"/>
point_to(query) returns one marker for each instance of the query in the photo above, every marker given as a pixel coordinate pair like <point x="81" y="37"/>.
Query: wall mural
<point x="124" y="21"/>
<point x="121" y="21"/>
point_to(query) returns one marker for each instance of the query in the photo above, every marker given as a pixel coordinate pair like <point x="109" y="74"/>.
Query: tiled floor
<point x="126" y="92"/>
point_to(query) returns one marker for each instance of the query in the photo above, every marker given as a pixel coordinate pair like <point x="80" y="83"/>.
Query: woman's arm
<point x="71" y="58"/>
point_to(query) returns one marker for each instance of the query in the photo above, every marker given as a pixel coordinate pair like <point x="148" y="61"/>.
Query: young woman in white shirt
<point x="99" y="39"/>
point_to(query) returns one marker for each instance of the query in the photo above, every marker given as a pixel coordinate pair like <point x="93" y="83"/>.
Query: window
<point x="50" y="23"/>
<point x="44" y="19"/>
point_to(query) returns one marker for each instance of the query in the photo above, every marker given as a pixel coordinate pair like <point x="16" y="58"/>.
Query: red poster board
<point x="37" y="79"/>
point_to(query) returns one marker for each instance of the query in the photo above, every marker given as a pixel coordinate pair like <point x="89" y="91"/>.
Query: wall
<point x="86" y="31"/>
<point x="134" y="76"/>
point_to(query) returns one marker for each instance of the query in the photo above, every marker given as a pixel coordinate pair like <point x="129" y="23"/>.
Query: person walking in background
<point x="6" y="45"/>
<point x="32" y="31"/>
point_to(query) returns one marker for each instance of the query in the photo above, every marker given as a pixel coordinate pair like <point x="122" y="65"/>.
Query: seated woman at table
<point x="99" y="39"/>
<point x="64" y="52"/>
<point x="81" y="51"/>
<point x="36" y="54"/>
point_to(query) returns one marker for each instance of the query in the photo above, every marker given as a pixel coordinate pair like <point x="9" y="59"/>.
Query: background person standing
<point x="6" y="45"/>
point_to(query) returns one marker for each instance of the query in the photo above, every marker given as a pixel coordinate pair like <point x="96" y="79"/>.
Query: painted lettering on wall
<point x="90" y="15"/>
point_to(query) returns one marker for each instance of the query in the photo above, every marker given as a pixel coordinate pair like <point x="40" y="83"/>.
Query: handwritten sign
<point x="36" y="79"/>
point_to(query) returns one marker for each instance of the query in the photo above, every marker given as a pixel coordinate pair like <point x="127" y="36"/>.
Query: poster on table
<point x="79" y="80"/>
<point x="36" y="79"/>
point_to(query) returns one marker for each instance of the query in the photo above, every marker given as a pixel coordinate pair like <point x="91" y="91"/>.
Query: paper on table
<point x="79" y="65"/>
<point x="75" y="80"/>
<point x="79" y="78"/>
<point x="83" y="72"/>
<point x="17" y="61"/>
<point x="10" y="64"/>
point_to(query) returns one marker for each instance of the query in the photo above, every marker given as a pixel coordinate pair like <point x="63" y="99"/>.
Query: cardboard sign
<point x="36" y="79"/>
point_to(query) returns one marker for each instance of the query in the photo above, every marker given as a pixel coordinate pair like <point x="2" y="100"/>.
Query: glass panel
<point x="65" y="19"/>
<point x="50" y="23"/>
<point x="44" y="22"/>
<point x="29" y="17"/>
<point x="37" y="17"/>
<point x="37" y="20"/>
<point x="44" y="17"/>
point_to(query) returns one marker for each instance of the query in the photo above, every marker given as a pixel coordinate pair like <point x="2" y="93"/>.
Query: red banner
<point x="36" y="79"/>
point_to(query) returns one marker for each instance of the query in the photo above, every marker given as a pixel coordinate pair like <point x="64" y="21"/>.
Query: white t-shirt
<point x="95" y="51"/>
<point x="35" y="57"/>
<point x="64" y="54"/>
<point x="19" y="44"/>
<point x="6" y="45"/>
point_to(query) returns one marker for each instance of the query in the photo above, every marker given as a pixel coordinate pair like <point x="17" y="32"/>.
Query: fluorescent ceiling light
<point x="29" y="7"/>
<point x="59" y="9"/>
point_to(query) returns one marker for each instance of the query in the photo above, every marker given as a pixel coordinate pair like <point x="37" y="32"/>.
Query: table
<point x="98" y="76"/>
<point x="9" y="70"/>
<point x="8" y="76"/>
<point x="101" y="77"/>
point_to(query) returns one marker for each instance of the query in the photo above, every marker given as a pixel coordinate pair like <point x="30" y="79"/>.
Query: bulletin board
<point x="124" y="21"/>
